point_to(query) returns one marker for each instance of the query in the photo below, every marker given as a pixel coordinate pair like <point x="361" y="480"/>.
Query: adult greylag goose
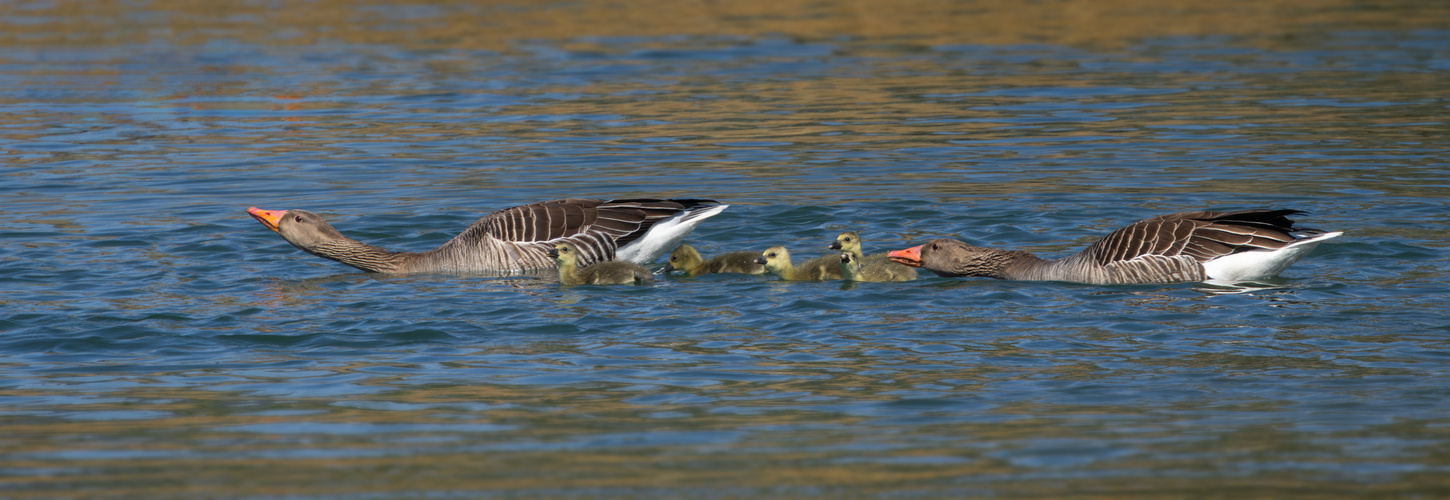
<point x="514" y="239"/>
<point x="688" y="260"/>
<point x="850" y="242"/>
<point x="1187" y="246"/>
<point x="777" y="261"/>
<point x="876" y="271"/>
<point x="609" y="272"/>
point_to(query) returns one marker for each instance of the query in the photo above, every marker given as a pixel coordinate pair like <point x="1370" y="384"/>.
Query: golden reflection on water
<point x="464" y="432"/>
<point x="175" y="432"/>
<point x="501" y="25"/>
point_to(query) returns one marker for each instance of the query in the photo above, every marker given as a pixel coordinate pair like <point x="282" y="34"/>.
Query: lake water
<point x="156" y="342"/>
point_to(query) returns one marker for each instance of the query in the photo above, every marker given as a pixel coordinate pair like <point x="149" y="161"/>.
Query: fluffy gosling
<point x="688" y="260"/>
<point x="612" y="272"/>
<point x="777" y="261"/>
<point x="853" y="269"/>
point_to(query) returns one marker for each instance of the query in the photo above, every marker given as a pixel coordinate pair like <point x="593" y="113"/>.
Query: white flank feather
<point x="1261" y="264"/>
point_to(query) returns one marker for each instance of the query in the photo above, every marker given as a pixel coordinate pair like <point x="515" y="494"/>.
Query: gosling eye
<point x="771" y="254"/>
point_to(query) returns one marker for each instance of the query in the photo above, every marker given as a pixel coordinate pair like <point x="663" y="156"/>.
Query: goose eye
<point x="933" y="246"/>
<point x="297" y="218"/>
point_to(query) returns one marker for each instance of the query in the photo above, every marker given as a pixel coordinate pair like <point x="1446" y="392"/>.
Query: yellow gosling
<point x="612" y="272"/>
<point x="777" y="261"/>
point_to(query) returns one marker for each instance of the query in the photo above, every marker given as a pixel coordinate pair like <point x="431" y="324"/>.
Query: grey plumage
<point x="1163" y="249"/>
<point x="511" y="240"/>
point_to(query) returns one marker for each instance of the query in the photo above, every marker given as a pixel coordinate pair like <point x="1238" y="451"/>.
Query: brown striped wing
<point x="620" y="220"/>
<point x="596" y="227"/>
<point x="1177" y="244"/>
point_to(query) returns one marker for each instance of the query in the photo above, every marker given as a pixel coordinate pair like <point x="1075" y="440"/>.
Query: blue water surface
<point x="156" y="342"/>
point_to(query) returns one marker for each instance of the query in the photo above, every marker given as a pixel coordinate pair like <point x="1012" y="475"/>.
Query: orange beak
<point x="908" y="257"/>
<point x="269" y="218"/>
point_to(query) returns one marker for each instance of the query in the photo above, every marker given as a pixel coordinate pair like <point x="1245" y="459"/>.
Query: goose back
<point x="1185" y="246"/>
<point x="1173" y="247"/>
<point x="518" y="238"/>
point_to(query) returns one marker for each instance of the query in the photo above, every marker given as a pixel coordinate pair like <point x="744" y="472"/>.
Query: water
<point x="155" y="342"/>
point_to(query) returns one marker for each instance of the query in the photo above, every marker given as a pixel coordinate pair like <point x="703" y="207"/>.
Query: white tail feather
<point x="665" y="235"/>
<point x="1260" y="264"/>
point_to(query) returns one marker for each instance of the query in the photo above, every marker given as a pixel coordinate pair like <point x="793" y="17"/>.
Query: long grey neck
<point x="459" y="255"/>
<point x="1024" y="266"/>
<point x="1000" y="264"/>
<point x="362" y="255"/>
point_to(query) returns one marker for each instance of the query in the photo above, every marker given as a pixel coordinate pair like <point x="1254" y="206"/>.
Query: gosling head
<point x="850" y="266"/>
<point x="684" y="258"/>
<point x="849" y="242"/>
<point x="775" y="259"/>
<point x="565" y="254"/>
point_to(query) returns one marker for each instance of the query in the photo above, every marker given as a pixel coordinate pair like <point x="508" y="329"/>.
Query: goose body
<point x="854" y="269"/>
<point x="515" y="239"/>
<point x="777" y="261"/>
<point x="1187" y="246"/>
<point x="688" y="260"/>
<point x="610" y="272"/>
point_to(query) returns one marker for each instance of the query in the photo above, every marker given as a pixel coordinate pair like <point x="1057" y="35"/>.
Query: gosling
<point x="853" y="269"/>
<point x="850" y="242"/>
<point x="685" y="258"/>
<point x="613" y="272"/>
<point x="777" y="261"/>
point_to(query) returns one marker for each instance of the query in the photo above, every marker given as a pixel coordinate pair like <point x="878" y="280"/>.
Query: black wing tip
<point x="684" y="202"/>
<point x="1277" y="218"/>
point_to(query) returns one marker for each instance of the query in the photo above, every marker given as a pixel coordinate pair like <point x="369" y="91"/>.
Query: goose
<point x="850" y="242"/>
<point x="609" y="272"/>
<point x="854" y="269"/>
<point x="777" y="261"/>
<point x="1245" y="245"/>
<point x="685" y="258"/>
<point x="514" y="239"/>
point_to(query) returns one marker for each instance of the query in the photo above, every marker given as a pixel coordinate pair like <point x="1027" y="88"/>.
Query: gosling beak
<point x="845" y="257"/>
<point x="835" y="245"/>
<point x="668" y="267"/>
<point x="269" y="218"/>
<point x="553" y="253"/>
<point x="909" y="256"/>
<point x="760" y="260"/>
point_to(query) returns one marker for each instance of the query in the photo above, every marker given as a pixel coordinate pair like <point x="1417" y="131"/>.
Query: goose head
<point x="949" y="257"/>
<point x="304" y="230"/>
